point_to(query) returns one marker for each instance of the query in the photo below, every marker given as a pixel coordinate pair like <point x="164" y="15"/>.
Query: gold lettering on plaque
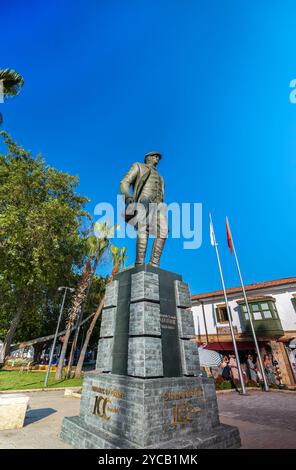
<point x="108" y="391"/>
<point x="182" y="413"/>
<point x="182" y="409"/>
<point x="195" y="392"/>
<point x="100" y="407"/>
<point x="103" y="408"/>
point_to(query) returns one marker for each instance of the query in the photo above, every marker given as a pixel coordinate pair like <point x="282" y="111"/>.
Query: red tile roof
<point x="248" y="287"/>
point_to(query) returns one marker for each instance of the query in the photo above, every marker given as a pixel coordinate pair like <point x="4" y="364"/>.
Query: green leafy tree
<point x="40" y="242"/>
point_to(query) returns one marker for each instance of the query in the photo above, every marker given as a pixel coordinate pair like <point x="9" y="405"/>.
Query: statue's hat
<point x="149" y="154"/>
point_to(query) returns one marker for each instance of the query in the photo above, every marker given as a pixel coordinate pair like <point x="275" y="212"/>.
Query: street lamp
<point x="57" y="331"/>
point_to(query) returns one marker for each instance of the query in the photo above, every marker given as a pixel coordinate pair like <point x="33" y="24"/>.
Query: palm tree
<point x="96" y="245"/>
<point x="11" y="84"/>
<point x="118" y="257"/>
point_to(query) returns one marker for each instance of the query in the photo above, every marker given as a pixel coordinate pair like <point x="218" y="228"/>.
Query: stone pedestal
<point x="13" y="407"/>
<point x="147" y="390"/>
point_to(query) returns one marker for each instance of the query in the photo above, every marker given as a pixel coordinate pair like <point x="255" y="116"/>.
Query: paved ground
<point x="264" y="420"/>
<point x="43" y="422"/>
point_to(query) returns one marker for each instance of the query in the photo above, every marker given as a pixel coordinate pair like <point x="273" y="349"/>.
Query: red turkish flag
<point x="229" y="239"/>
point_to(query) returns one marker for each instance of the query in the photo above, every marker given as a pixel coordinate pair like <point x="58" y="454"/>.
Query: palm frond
<point x="92" y="244"/>
<point x="104" y="230"/>
<point x="114" y="249"/>
<point x="12" y="82"/>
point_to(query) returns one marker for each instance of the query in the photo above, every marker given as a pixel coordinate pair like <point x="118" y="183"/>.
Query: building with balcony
<point x="273" y="309"/>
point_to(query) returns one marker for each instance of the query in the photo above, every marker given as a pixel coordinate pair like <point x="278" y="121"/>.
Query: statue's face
<point x="152" y="160"/>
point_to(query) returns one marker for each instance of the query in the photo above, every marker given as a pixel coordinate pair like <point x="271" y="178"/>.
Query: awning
<point x="228" y="346"/>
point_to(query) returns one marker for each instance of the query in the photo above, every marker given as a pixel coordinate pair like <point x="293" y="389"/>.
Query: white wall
<point x="285" y="309"/>
<point x="284" y="306"/>
<point x="210" y="314"/>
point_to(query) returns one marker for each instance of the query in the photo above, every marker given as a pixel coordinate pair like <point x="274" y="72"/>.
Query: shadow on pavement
<point x="36" y="415"/>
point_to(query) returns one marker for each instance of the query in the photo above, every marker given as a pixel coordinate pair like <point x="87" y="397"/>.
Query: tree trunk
<point x="79" y="319"/>
<point x="91" y="327"/>
<point x="59" y="371"/>
<point x="74" y="344"/>
<point x="87" y="338"/>
<point x="13" y="326"/>
<point x="38" y="348"/>
<point x="76" y="305"/>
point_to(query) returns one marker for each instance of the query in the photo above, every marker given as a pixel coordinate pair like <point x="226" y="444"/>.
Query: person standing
<point x="259" y="374"/>
<point x="226" y="370"/>
<point x="268" y="368"/>
<point x="252" y="369"/>
<point x="234" y="368"/>
<point x="244" y="372"/>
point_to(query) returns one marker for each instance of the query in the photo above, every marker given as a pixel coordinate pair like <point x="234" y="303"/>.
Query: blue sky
<point x="206" y="83"/>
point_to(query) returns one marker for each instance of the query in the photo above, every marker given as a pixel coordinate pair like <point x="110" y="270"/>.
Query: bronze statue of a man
<point x="148" y="194"/>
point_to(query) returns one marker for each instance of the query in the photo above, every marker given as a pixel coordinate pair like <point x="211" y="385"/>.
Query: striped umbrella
<point x="208" y="358"/>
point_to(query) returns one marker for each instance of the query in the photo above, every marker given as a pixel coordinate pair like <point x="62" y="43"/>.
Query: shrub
<point x="278" y="387"/>
<point x="17" y="362"/>
<point x="221" y="384"/>
<point x="252" y="383"/>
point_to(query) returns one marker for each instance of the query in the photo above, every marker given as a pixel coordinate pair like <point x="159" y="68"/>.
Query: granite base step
<point x="82" y="436"/>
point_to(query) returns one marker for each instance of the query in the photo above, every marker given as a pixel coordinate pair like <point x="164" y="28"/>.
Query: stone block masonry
<point x="111" y="294"/>
<point x="126" y="412"/>
<point x="144" y="319"/>
<point x="190" y="358"/>
<point x="108" y="322"/>
<point x="183" y="297"/>
<point x="145" y="357"/>
<point x="145" y="285"/>
<point x="147" y="390"/>
<point x="107" y="331"/>
<point x="185" y="323"/>
<point x="104" y="355"/>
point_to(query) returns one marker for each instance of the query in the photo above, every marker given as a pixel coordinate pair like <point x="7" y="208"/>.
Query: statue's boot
<point x="157" y="249"/>
<point x="141" y="247"/>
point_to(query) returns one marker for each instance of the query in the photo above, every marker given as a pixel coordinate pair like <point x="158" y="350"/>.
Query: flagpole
<point x="243" y="392"/>
<point x="266" y="387"/>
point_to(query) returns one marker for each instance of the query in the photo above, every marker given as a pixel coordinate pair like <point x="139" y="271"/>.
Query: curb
<point x="78" y="388"/>
<point x="229" y="390"/>
<point x="56" y="389"/>
<point x="218" y="392"/>
<point x="282" y="391"/>
<point x="73" y="392"/>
